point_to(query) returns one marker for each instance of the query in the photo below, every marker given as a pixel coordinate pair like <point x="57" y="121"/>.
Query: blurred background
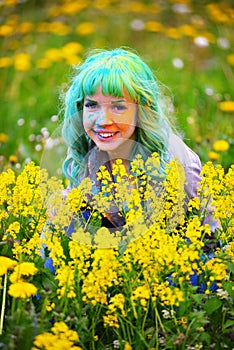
<point x="187" y="43"/>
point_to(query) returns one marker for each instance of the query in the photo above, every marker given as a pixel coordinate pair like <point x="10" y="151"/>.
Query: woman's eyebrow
<point x="90" y="100"/>
<point x="117" y="101"/>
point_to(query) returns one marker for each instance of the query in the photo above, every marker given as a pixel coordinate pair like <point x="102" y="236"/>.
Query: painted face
<point x="109" y="121"/>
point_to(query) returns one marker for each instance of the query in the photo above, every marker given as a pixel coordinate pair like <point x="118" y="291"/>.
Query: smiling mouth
<point x="106" y="135"/>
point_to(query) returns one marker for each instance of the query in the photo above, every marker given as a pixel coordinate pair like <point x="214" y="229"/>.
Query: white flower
<point x="222" y="294"/>
<point x="166" y="314"/>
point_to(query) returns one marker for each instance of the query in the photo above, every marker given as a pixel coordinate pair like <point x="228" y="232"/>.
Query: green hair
<point x="116" y="71"/>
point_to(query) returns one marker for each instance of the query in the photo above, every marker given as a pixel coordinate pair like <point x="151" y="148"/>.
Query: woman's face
<point x="109" y="121"/>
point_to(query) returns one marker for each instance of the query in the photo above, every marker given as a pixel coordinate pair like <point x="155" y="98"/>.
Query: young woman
<point x="113" y="109"/>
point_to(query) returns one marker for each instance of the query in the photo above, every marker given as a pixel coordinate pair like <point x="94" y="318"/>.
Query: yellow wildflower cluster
<point x="66" y="277"/>
<point x="61" y="338"/>
<point x="142" y="294"/>
<point x="102" y="275"/>
<point x="217" y="193"/>
<point x="116" y="305"/>
<point x="127" y="275"/>
<point x="170" y="296"/>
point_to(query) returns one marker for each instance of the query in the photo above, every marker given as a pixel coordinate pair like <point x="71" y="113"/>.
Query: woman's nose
<point x="104" y="116"/>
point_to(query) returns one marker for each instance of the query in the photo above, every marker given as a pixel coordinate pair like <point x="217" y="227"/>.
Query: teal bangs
<point x="115" y="71"/>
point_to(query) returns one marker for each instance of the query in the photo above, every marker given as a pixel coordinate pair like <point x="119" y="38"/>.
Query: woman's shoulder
<point x="178" y="149"/>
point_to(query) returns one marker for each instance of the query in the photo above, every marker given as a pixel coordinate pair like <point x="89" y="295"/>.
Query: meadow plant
<point x="162" y="281"/>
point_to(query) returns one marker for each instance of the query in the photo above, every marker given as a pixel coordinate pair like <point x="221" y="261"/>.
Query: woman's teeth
<point x="106" y="134"/>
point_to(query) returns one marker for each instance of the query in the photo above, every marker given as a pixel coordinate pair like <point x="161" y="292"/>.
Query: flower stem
<point x="3" y="303"/>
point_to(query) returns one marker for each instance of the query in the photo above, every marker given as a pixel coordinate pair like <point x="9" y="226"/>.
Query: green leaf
<point x="212" y="305"/>
<point x="231" y="267"/>
<point x="205" y="337"/>
<point x="198" y="298"/>
<point x="228" y="287"/>
<point x="228" y="324"/>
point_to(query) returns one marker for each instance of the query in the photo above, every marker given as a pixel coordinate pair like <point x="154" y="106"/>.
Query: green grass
<point x="34" y="95"/>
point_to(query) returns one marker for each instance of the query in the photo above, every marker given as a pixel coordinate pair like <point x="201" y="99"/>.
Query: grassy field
<point x="189" y="45"/>
<point x="163" y="281"/>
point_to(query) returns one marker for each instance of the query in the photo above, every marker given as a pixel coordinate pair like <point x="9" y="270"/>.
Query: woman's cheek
<point x="88" y="120"/>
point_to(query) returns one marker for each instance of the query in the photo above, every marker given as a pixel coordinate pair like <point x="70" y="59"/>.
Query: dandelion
<point x="178" y="63"/>
<point x="20" y="121"/>
<point x="23" y="269"/>
<point x="53" y="55"/>
<point x="85" y="28"/>
<point x="153" y="26"/>
<point x="73" y="7"/>
<point x="226" y="106"/>
<point x="13" y="159"/>
<point x="213" y="155"/>
<point x="221" y="146"/>
<point x="201" y="41"/>
<point x="188" y="30"/>
<point x="3" y="137"/>
<point x="6" y="30"/>
<point x="25" y="27"/>
<point x="71" y="48"/>
<point x="6" y="264"/>
<point x="137" y="24"/>
<point x="230" y="59"/>
<point x="5" y="62"/>
<point x="59" y="28"/>
<point x="22" y="62"/>
<point x="127" y="346"/>
<point x="22" y="290"/>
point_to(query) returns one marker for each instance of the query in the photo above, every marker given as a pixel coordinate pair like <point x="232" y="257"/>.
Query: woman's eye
<point x="120" y="108"/>
<point x="90" y="105"/>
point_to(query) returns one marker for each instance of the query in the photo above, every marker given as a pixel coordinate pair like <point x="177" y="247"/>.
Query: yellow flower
<point x="59" y="28"/>
<point x="13" y="158"/>
<point x="43" y="63"/>
<point x="22" y="62"/>
<point x="3" y="137"/>
<point x="85" y="28"/>
<point x="23" y="269"/>
<point x="13" y="229"/>
<point x="73" y="60"/>
<point x="50" y="307"/>
<point x="226" y="106"/>
<point x="188" y="30"/>
<point x="172" y="32"/>
<point x="71" y="48"/>
<point x="25" y="27"/>
<point x="127" y="346"/>
<point x="230" y="59"/>
<point x="213" y="155"/>
<point x="6" y="30"/>
<point x="5" y="62"/>
<point x="22" y="290"/>
<point x="153" y="26"/>
<point x="111" y="321"/>
<point x="53" y="55"/>
<point x="61" y="338"/>
<point x="221" y="146"/>
<point x="105" y="239"/>
<point x="73" y="7"/>
<point x="6" y="264"/>
<point x="66" y="278"/>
